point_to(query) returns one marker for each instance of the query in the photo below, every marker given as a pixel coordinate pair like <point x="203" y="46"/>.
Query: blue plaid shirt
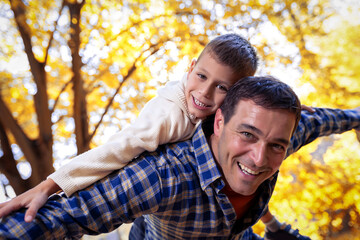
<point x="177" y="188"/>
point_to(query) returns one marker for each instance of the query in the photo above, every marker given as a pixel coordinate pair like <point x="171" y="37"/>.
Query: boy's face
<point x="251" y="146"/>
<point x="207" y="84"/>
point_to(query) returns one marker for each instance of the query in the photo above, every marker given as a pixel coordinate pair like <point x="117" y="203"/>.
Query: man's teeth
<point x="248" y="171"/>
<point x="197" y="102"/>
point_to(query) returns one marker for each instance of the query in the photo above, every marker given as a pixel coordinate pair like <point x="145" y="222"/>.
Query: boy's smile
<point x="207" y="84"/>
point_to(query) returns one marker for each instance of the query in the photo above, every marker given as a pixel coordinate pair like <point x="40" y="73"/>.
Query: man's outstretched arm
<point x="323" y="122"/>
<point x="119" y="198"/>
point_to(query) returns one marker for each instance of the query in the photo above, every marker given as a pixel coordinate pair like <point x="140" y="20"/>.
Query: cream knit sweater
<point x="164" y="119"/>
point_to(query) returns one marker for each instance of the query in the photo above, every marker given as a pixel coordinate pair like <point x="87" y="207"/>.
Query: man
<point x="216" y="185"/>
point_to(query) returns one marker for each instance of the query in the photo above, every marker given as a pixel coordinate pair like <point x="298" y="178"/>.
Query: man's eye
<point x="222" y="88"/>
<point x="247" y="135"/>
<point x="278" y="147"/>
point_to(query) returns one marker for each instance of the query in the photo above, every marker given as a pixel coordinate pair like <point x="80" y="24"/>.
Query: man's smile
<point x="248" y="171"/>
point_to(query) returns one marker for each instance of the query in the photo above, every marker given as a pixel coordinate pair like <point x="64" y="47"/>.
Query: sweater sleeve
<point x="160" y="121"/>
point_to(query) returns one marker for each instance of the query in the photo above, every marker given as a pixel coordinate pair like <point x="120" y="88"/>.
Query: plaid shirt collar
<point x="208" y="171"/>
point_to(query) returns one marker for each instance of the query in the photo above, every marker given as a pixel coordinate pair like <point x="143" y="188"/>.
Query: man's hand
<point x="32" y="199"/>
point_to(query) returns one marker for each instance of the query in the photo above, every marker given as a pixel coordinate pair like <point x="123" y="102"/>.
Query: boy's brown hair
<point x="234" y="51"/>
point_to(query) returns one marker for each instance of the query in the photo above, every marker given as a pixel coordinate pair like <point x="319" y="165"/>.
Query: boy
<point x="170" y="117"/>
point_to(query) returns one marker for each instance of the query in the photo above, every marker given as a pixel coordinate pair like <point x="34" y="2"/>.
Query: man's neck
<point x="240" y="203"/>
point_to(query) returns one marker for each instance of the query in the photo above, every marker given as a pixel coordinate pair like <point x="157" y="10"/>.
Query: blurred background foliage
<point x="73" y="72"/>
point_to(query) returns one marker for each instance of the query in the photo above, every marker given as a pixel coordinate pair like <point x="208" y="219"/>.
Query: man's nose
<point x="259" y="154"/>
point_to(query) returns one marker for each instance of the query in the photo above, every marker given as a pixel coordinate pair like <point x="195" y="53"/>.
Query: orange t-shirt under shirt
<point x="240" y="202"/>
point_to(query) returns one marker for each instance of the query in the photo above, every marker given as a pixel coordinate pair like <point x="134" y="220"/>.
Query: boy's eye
<point x="222" y="88"/>
<point x="201" y="76"/>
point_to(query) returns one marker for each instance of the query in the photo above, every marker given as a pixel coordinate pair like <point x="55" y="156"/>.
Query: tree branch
<point x="39" y="75"/>
<point x="131" y="70"/>
<point x="8" y="164"/>
<point x="26" y="145"/>
<point x="52" y="33"/>
<point x="58" y="96"/>
<point x="80" y="111"/>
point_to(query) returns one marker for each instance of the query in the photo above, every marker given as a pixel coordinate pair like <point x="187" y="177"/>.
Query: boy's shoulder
<point x="163" y="106"/>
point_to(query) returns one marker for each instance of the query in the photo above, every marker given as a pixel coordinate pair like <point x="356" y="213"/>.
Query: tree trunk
<point x="80" y="111"/>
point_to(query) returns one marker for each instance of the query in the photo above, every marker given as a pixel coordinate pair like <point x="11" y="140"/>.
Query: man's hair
<point x="234" y="51"/>
<point x="266" y="91"/>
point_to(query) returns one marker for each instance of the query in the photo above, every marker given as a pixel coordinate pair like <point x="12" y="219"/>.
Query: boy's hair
<point x="267" y="92"/>
<point x="234" y="51"/>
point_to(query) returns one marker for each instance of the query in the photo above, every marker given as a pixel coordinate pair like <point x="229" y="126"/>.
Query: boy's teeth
<point x="199" y="103"/>
<point x="248" y="171"/>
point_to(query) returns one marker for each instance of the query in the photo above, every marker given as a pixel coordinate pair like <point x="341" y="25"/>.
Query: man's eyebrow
<point x="259" y="132"/>
<point x="251" y="127"/>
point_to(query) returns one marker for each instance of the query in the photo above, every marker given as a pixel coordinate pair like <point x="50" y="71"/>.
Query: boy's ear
<point x="192" y="65"/>
<point x="218" y="122"/>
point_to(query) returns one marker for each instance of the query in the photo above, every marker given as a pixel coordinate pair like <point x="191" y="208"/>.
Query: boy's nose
<point x="206" y="90"/>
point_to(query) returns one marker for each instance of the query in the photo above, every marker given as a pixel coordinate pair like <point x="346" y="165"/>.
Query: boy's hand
<point x="32" y="199"/>
<point x="309" y="109"/>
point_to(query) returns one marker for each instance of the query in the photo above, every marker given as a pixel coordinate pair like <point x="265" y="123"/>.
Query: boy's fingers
<point x="31" y="212"/>
<point x="7" y="208"/>
<point x="34" y="207"/>
<point x="309" y="109"/>
<point x="29" y="216"/>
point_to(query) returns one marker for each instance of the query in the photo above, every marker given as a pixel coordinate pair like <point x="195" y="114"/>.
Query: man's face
<point x="252" y="145"/>
<point x="207" y="84"/>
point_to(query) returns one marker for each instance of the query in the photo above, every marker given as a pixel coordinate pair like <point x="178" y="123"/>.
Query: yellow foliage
<point x="129" y="50"/>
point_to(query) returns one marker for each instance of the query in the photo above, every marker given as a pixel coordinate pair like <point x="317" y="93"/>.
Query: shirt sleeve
<point x="119" y="198"/>
<point x="322" y="122"/>
<point x="161" y="121"/>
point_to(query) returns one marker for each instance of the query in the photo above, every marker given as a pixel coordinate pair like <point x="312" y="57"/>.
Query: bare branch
<point x="58" y="96"/>
<point x="24" y="142"/>
<point x="8" y="164"/>
<point x="39" y="75"/>
<point x="80" y="111"/>
<point x="52" y="33"/>
<point x="131" y="70"/>
<point x="138" y="23"/>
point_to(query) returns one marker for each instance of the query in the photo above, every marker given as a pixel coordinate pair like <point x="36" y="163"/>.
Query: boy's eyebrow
<point x="203" y="69"/>
<point x="206" y="72"/>
<point x="259" y="132"/>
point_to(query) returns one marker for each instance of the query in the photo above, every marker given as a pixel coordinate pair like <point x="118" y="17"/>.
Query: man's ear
<point x="218" y="122"/>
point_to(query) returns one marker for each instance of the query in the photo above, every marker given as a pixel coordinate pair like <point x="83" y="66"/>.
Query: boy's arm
<point x="323" y="122"/>
<point x="161" y="121"/>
